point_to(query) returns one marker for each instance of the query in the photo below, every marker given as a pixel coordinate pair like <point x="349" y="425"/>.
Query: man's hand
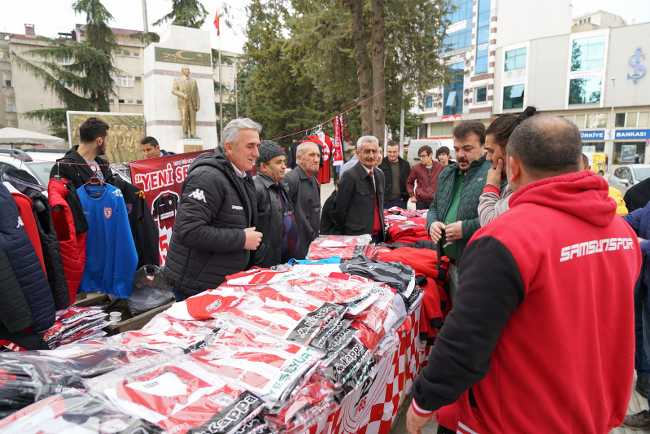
<point x="414" y="423"/>
<point x="495" y="174"/>
<point x="253" y="239"/>
<point x="435" y="231"/>
<point x="454" y="231"/>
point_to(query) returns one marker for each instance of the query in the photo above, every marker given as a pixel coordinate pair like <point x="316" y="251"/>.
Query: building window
<point x="513" y="96"/>
<point x="462" y="38"/>
<point x="481" y="66"/>
<point x="515" y="59"/>
<point x="630" y="119"/>
<point x="644" y="120"/>
<point x="620" y="120"/>
<point x="453" y="91"/>
<point x="483" y="24"/>
<point x="121" y="101"/>
<point x="125" y="81"/>
<point x="481" y="94"/>
<point x="629" y="152"/>
<point x="10" y="107"/>
<point x="139" y="101"/>
<point x="428" y="101"/>
<point x="597" y="120"/>
<point x="588" y="54"/>
<point x="584" y="90"/>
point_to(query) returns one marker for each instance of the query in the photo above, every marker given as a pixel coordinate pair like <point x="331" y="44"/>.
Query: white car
<point x="35" y="172"/>
<point x="626" y="176"/>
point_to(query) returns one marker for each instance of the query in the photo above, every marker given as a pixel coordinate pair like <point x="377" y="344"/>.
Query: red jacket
<point x="541" y="336"/>
<point x="24" y="205"/>
<point x="72" y="244"/>
<point x="427" y="181"/>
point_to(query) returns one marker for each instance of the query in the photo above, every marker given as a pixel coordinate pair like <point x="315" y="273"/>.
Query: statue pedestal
<point x="179" y="47"/>
<point x="191" y="145"/>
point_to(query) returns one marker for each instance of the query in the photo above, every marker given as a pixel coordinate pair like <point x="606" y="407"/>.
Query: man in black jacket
<point x="396" y="171"/>
<point x="360" y="199"/>
<point x="85" y="161"/>
<point x="304" y="193"/>
<point x="276" y="220"/>
<point x="214" y="234"/>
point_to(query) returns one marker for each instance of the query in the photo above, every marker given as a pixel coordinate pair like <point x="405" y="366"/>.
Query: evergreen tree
<point x="79" y="73"/>
<point x="186" y="13"/>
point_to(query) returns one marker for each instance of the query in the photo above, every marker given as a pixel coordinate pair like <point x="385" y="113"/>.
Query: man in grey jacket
<point x="304" y="193"/>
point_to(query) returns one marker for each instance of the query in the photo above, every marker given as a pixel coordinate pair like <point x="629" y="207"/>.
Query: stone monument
<point x="179" y="105"/>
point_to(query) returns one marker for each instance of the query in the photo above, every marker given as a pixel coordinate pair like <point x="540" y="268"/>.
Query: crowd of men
<point x="542" y="335"/>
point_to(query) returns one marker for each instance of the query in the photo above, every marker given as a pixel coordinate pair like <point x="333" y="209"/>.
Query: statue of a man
<point x="186" y="90"/>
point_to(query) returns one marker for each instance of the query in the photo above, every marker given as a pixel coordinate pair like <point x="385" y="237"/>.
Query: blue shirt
<point x="111" y="257"/>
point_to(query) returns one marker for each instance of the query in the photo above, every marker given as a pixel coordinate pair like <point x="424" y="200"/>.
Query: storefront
<point x="630" y="146"/>
<point x="593" y="140"/>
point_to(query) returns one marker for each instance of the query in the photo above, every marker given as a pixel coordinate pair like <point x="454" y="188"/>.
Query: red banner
<point x="161" y="179"/>
<point x="337" y="150"/>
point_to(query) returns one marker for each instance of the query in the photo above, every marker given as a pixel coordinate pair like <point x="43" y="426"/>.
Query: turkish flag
<point x="216" y="22"/>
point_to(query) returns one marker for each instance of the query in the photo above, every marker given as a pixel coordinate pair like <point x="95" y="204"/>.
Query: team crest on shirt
<point x="108" y="212"/>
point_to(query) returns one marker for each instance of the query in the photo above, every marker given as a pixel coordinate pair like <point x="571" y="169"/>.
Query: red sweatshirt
<point x="541" y="336"/>
<point x="427" y="181"/>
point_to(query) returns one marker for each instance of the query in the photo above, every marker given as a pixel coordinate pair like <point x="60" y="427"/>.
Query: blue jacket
<point x="640" y="222"/>
<point x="111" y="257"/>
<point x="25" y="264"/>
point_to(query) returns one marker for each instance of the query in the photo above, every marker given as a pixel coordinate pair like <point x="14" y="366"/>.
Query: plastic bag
<point x="150" y="290"/>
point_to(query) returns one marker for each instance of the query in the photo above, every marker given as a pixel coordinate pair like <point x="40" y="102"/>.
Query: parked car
<point x="35" y="172"/>
<point x="626" y="176"/>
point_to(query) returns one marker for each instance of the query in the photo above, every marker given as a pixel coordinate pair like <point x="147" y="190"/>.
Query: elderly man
<point x="276" y="219"/>
<point x="304" y="192"/>
<point x="360" y="198"/>
<point x="541" y="335"/>
<point x="453" y="215"/>
<point x="214" y="234"/>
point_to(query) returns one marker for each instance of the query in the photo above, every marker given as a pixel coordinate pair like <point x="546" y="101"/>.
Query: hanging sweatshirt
<point x="111" y="257"/>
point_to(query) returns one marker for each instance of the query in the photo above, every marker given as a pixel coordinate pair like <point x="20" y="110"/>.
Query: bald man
<point x="304" y="193"/>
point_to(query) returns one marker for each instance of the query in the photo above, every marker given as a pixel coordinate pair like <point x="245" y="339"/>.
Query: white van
<point x="434" y="142"/>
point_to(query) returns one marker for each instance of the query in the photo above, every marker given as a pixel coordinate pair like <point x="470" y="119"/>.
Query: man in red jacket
<point x="426" y="174"/>
<point x="541" y="335"/>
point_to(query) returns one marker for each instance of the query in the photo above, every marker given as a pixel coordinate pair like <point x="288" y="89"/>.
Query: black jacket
<point x="208" y="238"/>
<point x="25" y="264"/>
<point x="15" y="314"/>
<point x="304" y="193"/>
<point x="355" y="201"/>
<point x="74" y="168"/>
<point x="638" y="196"/>
<point x="143" y="228"/>
<point x="272" y="203"/>
<point x="404" y="171"/>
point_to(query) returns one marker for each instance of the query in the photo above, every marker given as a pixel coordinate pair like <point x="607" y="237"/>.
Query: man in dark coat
<point x="214" y="234"/>
<point x="304" y="193"/>
<point x="360" y="198"/>
<point x="276" y="220"/>
<point x="85" y="161"/>
<point x="396" y="171"/>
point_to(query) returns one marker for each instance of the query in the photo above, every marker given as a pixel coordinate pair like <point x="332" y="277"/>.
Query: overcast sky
<point x="53" y="16"/>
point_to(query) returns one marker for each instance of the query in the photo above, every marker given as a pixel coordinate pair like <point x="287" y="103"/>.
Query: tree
<point x="79" y="73"/>
<point x="186" y="13"/>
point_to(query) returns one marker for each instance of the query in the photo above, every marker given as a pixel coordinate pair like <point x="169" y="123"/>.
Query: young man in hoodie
<point x="546" y="343"/>
<point x="214" y="234"/>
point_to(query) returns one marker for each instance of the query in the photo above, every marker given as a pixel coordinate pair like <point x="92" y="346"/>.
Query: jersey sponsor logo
<point x="199" y="195"/>
<point x="108" y="212"/>
<point x="593" y="247"/>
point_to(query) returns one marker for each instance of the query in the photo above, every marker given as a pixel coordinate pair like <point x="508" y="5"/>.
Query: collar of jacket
<point x="363" y="170"/>
<point x="472" y="167"/>
<point x="74" y="156"/>
<point x="266" y="181"/>
<point x="303" y="174"/>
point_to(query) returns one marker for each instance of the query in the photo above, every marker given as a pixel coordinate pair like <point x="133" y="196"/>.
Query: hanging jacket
<point x="24" y="263"/>
<point x="143" y="229"/>
<point x="208" y="239"/>
<point x="15" y="313"/>
<point x="543" y="318"/>
<point x="24" y="205"/>
<point x="72" y="243"/>
<point x="51" y="252"/>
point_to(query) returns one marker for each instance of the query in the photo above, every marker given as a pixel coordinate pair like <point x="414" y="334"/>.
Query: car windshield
<point x="41" y="170"/>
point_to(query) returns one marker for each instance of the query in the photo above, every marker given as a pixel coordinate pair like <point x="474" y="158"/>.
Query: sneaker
<point x="643" y="385"/>
<point x="638" y="420"/>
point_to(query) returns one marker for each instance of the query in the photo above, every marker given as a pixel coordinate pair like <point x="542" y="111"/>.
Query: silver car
<point x="626" y="176"/>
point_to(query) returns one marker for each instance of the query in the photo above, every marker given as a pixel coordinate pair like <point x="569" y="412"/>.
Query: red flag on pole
<point x="216" y="22"/>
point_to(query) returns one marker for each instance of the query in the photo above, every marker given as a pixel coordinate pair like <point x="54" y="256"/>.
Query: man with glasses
<point x="423" y="179"/>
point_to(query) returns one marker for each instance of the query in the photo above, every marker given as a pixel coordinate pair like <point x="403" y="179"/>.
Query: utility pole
<point x="220" y="96"/>
<point x="236" y="87"/>
<point x="145" y="20"/>
<point x="401" y="131"/>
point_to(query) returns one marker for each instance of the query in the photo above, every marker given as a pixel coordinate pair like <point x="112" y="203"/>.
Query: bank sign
<point x="592" y="135"/>
<point x="632" y="135"/>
